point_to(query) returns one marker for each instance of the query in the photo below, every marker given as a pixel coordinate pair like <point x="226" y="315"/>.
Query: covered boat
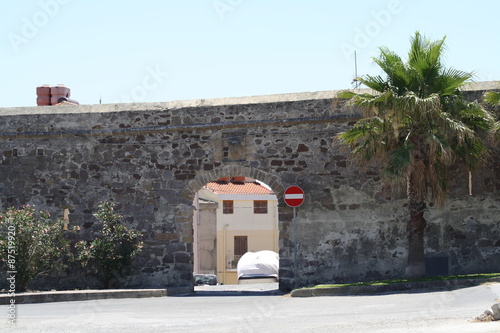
<point x="257" y="267"/>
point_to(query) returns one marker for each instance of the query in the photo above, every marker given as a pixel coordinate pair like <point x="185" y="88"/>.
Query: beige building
<point x="243" y="215"/>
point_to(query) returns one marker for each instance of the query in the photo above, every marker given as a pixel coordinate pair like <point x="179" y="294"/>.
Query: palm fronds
<point x="492" y="97"/>
<point x="418" y="123"/>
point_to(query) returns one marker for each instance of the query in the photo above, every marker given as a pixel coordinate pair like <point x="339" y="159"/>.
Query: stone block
<point x="188" y="239"/>
<point x="182" y="258"/>
<point x="496" y="311"/>
<point x="165" y="237"/>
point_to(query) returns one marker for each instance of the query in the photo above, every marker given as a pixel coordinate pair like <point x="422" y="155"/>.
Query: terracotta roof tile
<point x="223" y="187"/>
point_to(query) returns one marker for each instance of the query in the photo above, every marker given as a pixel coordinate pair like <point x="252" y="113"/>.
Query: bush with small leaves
<point x="109" y="255"/>
<point x="31" y="244"/>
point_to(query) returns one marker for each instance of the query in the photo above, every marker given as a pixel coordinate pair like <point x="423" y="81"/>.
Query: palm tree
<point x="493" y="98"/>
<point x="417" y="123"/>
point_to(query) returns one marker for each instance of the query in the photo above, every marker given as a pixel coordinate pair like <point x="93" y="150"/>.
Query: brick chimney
<point x="53" y="95"/>
<point x="43" y="95"/>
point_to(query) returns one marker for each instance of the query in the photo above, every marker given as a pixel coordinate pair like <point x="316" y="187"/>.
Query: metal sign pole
<point x="295" y="268"/>
<point x="294" y="197"/>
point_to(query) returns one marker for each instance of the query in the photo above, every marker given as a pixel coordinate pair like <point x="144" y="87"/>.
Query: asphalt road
<point x="256" y="309"/>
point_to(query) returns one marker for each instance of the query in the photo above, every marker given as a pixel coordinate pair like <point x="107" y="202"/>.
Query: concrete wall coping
<point x="104" y="108"/>
<point x="247" y="100"/>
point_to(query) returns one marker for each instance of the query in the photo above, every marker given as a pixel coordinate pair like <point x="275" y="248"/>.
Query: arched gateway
<point x="151" y="158"/>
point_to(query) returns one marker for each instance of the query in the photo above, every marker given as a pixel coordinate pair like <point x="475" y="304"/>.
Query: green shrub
<point x="109" y="255"/>
<point x="31" y="244"/>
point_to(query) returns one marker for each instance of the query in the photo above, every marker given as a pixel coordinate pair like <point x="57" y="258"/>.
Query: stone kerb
<point x="85" y="295"/>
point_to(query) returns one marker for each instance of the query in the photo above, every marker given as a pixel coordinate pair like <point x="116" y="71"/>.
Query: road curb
<point x="389" y="288"/>
<point x="85" y="295"/>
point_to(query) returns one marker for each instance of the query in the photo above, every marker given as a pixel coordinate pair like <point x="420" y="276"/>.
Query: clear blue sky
<point x="155" y="51"/>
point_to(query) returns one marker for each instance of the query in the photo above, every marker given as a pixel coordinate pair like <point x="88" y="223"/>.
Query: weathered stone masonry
<point x="151" y="159"/>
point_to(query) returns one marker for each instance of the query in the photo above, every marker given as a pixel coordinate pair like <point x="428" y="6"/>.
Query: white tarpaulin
<point x="258" y="264"/>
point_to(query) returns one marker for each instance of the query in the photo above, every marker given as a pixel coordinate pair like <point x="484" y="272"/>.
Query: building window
<point x="240" y="246"/>
<point x="227" y="207"/>
<point x="260" y="207"/>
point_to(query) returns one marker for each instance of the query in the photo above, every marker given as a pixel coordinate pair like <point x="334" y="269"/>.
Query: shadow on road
<point x="220" y="293"/>
<point x="260" y="289"/>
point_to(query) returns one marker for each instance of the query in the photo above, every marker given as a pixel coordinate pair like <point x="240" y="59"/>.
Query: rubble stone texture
<point x="151" y="158"/>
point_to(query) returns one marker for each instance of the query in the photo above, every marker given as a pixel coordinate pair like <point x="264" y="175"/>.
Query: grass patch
<point x="422" y="279"/>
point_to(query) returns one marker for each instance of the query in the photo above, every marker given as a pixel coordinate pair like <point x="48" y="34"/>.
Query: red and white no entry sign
<point x="294" y="196"/>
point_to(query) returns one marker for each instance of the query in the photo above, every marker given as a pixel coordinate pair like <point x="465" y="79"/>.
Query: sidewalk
<point x="392" y="288"/>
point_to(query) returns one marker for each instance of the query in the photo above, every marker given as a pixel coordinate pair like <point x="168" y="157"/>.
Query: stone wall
<point x="152" y="158"/>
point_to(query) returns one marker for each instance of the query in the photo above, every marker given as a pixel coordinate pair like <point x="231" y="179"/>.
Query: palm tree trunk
<point x="415" y="266"/>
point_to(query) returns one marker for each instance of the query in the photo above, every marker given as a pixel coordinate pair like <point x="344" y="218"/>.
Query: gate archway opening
<point x="233" y="215"/>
